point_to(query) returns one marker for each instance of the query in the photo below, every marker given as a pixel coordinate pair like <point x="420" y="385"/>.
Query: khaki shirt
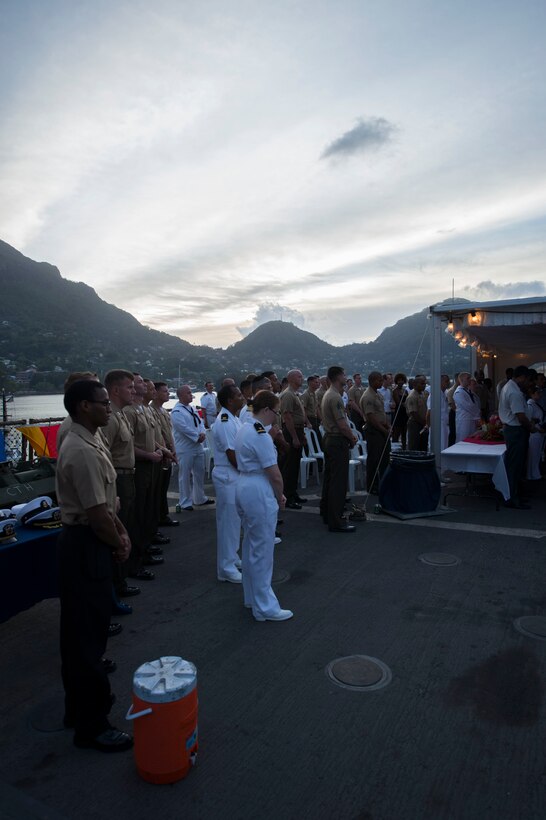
<point x="142" y="427"/>
<point x="355" y="394"/>
<point x="417" y="403"/>
<point x="85" y="476"/>
<point x="310" y="403"/>
<point x="332" y="409"/>
<point x="165" y="426"/>
<point x="320" y="393"/>
<point x="119" y="440"/>
<point x="372" y="403"/>
<point x="450" y="395"/>
<point x="66" y="427"/>
<point x="291" y="403"/>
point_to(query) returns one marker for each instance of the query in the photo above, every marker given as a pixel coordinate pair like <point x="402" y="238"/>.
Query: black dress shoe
<point x="111" y="740"/>
<point x="144" y="575"/>
<point x="154" y="560"/>
<point x="109" y="666"/>
<point x="345" y="528"/>
<point x="127" y="592"/>
<point x="169" y="522"/>
<point x="208" y="501"/>
<point x="154" y="551"/>
<point x="114" y="629"/>
<point x="301" y="500"/>
<point x="293" y="505"/>
<point x="517" y="505"/>
<point x="159" y="539"/>
<point x="119" y="608"/>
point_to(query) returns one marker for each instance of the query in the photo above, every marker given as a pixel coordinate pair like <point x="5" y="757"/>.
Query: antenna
<point x="453" y="289"/>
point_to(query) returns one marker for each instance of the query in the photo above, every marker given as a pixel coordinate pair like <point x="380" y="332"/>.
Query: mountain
<point x="53" y="326"/>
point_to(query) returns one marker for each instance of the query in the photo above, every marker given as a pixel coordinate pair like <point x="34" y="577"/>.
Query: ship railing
<point x="14" y="446"/>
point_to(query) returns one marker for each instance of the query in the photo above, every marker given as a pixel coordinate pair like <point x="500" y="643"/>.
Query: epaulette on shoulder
<point x="224" y="417"/>
<point x="259" y="427"/>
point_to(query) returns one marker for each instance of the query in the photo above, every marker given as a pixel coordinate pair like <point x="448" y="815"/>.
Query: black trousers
<point x="379" y="448"/>
<point x="143" y="524"/>
<point x="336" y="477"/>
<point x="357" y="420"/>
<point x="515" y="457"/>
<point x="85" y="585"/>
<point x="291" y="466"/>
<point x="416" y="439"/>
<point x="125" y="488"/>
<point x="452" y="428"/>
<point x="165" y="480"/>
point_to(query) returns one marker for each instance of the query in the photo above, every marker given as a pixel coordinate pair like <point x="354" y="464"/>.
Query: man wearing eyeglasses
<point x="189" y="436"/>
<point x="91" y="534"/>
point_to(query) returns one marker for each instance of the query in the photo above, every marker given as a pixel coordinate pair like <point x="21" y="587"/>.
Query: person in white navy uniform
<point x="225" y="477"/>
<point x="189" y="435"/>
<point x="468" y="413"/>
<point x="259" y="496"/>
<point x="208" y="404"/>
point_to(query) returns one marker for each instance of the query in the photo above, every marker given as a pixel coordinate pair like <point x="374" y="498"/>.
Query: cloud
<point x="271" y="311"/>
<point x="367" y="135"/>
<point x="488" y="290"/>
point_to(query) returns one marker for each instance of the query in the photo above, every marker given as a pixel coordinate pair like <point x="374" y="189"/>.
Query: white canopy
<point x="501" y="334"/>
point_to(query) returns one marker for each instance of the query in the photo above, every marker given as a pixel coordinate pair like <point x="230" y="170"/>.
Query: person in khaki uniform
<point x="147" y="453"/>
<point x="119" y="440"/>
<point x="416" y="408"/>
<point x="337" y="443"/>
<point x="355" y="394"/>
<point x="293" y="423"/>
<point x="377" y="432"/>
<point x="92" y="532"/>
<point x="310" y="402"/>
<point x="324" y="385"/>
<point x="165" y="425"/>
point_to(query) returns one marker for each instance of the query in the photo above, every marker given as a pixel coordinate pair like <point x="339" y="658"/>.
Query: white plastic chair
<point x="356" y="469"/>
<point x="313" y="444"/>
<point x="305" y="464"/>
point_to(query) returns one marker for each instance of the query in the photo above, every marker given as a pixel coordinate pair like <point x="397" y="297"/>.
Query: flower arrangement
<point x="492" y="429"/>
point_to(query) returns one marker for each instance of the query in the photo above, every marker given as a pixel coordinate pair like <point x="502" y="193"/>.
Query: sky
<point x="210" y="165"/>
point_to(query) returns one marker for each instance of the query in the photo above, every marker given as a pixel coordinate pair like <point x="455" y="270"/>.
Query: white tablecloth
<point x="478" y="458"/>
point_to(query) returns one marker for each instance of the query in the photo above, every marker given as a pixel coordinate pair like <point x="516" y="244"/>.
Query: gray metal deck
<point x="458" y="733"/>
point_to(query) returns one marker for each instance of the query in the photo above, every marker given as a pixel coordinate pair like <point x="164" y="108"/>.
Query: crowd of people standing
<point x="118" y="447"/>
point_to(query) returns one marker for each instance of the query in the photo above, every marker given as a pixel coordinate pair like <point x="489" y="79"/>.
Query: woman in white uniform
<point x="259" y="495"/>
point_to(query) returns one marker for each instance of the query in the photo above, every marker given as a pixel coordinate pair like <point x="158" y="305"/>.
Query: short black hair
<point x="83" y="390"/>
<point x="225" y="394"/>
<point x="244" y="384"/>
<point x="334" y="372"/>
<point x="520" y="370"/>
<point x="157" y="385"/>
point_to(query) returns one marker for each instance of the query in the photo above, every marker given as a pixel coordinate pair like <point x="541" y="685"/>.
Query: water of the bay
<point x="23" y="408"/>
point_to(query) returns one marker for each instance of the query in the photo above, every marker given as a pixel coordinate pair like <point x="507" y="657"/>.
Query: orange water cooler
<point x="164" y="711"/>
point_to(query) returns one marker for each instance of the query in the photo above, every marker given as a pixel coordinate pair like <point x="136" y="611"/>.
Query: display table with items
<point x="28" y="555"/>
<point x="28" y="571"/>
<point x="483" y="457"/>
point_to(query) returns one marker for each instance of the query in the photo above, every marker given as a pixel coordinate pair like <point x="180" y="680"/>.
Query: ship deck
<point x="457" y="733"/>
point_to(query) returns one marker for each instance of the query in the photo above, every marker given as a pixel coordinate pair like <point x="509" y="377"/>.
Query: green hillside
<point x="56" y="326"/>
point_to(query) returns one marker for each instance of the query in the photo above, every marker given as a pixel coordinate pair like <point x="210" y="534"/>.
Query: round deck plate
<point x="534" y="626"/>
<point x="439" y="559"/>
<point x="361" y="673"/>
